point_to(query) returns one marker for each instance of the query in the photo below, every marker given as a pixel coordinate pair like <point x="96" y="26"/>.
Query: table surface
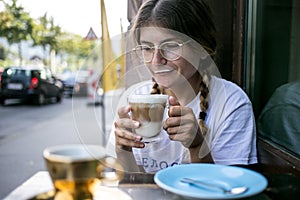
<point x="136" y="186"/>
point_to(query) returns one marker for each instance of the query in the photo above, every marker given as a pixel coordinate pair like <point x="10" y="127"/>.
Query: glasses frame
<point x="160" y="50"/>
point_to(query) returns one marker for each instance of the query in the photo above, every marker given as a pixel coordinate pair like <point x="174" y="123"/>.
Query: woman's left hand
<point x="182" y="124"/>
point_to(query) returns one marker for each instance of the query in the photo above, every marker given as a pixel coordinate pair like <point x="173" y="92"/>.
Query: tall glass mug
<point x="149" y="110"/>
<point x="76" y="169"/>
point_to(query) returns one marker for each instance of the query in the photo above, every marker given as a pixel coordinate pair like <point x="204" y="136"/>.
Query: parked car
<point x="69" y="85"/>
<point x="75" y="84"/>
<point x="33" y="84"/>
<point x="1" y="72"/>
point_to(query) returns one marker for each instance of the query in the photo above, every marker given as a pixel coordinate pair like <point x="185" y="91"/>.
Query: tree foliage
<point x="75" y="45"/>
<point x="16" y="26"/>
<point x="45" y="32"/>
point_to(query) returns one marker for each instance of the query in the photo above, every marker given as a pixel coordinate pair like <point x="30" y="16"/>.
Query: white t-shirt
<point x="231" y="136"/>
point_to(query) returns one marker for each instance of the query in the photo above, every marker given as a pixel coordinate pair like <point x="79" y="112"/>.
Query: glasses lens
<point x="170" y="50"/>
<point x="144" y="52"/>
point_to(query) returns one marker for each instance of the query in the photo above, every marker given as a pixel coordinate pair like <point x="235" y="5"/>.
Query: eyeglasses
<point x="170" y="50"/>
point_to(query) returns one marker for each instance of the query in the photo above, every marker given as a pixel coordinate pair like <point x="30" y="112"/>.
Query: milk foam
<point x="151" y="123"/>
<point x="153" y="98"/>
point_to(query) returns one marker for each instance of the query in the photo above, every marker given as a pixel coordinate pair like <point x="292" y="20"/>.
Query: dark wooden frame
<point x="273" y="159"/>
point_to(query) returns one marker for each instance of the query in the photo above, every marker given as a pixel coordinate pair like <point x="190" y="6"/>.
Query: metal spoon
<point x="234" y="190"/>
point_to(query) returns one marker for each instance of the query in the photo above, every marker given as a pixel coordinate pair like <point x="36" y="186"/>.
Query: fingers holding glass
<point x="127" y="138"/>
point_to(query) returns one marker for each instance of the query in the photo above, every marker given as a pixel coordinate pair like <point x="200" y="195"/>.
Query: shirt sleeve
<point x="234" y="140"/>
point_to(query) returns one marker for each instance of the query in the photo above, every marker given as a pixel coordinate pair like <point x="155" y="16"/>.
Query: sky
<point x="77" y="16"/>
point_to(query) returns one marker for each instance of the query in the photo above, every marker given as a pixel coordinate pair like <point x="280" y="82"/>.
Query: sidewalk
<point x="111" y="101"/>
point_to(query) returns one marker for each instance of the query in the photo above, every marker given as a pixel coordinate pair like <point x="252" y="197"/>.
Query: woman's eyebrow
<point x="165" y="40"/>
<point x="145" y="42"/>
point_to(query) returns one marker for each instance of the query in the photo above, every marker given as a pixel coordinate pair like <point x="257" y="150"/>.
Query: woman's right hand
<point x="123" y="130"/>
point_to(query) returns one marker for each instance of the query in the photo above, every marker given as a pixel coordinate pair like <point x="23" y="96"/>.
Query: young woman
<point x="209" y="119"/>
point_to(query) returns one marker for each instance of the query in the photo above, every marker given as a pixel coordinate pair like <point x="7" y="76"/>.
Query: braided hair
<point x="203" y="104"/>
<point x="156" y="89"/>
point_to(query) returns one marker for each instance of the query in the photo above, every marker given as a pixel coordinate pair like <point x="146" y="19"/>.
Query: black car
<point x="33" y="84"/>
<point x="0" y="80"/>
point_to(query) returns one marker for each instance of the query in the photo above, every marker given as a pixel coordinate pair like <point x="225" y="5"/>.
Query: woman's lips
<point x="159" y="71"/>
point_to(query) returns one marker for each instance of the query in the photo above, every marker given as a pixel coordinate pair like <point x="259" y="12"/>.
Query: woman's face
<point x="166" y="72"/>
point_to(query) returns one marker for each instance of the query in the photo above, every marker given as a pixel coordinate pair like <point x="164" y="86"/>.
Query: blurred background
<point x="258" y="49"/>
<point x="58" y="34"/>
<point x="51" y="64"/>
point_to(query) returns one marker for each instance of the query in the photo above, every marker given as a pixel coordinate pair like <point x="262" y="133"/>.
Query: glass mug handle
<point x="109" y="171"/>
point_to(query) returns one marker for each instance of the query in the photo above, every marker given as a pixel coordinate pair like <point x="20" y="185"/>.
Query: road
<point x="26" y="130"/>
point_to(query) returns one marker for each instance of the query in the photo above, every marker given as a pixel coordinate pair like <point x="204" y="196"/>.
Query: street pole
<point x="103" y="120"/>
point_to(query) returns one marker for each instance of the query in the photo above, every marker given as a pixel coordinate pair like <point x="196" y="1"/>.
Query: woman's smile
<point x="162" y="71"/>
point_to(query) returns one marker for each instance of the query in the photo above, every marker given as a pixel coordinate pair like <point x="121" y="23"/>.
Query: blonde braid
<point x="155" y="88"/>
<point x="203" y="104"/>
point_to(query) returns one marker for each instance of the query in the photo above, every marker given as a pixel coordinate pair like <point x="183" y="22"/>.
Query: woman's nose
<point x="158" y="58"/>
